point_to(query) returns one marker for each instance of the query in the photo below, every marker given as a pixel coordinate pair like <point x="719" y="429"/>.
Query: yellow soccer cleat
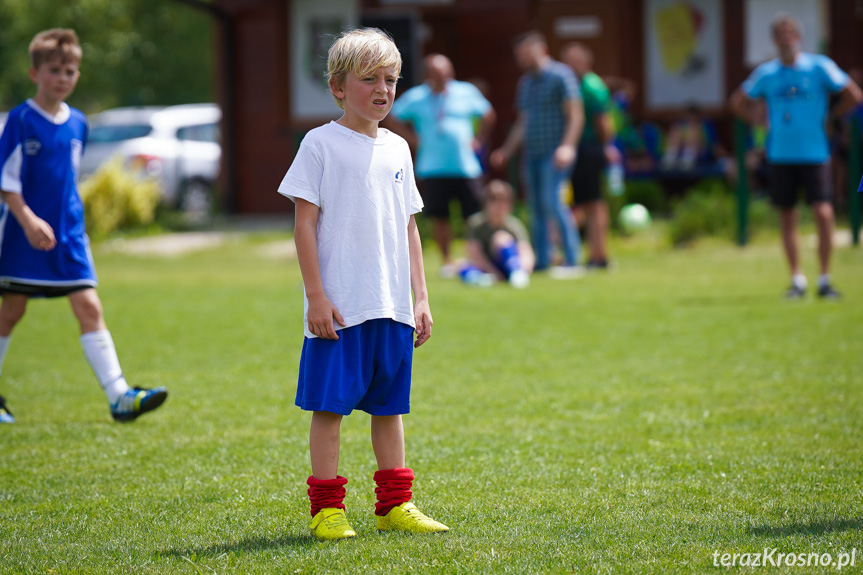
<point x="331" y="523"/>
<point x="406" y="517"/>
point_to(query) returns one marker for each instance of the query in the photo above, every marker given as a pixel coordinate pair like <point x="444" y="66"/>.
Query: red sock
<point x="394" y="488"/>
<point x="325" y="493"/>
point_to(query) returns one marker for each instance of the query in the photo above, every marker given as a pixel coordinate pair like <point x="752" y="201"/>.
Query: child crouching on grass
<point x="360" y="256"/>
<point x="498" y="246"/>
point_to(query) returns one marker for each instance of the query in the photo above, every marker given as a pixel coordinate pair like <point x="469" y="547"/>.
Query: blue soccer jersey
<point x="39" y="157"/>
<point x="797" y="98"/>
<point x="860" y="189"/>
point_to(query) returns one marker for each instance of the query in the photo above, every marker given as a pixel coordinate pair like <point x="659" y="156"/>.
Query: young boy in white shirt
<point x="360" y="256"/>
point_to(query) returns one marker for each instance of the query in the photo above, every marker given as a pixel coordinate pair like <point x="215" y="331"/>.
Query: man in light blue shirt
<point x="452" y="120"/>
<point x="796" y="87"/>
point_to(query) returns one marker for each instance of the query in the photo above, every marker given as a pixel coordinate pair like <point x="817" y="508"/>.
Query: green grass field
<point x="631" y="422"/>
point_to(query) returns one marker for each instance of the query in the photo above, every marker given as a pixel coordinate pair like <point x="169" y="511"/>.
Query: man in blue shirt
<point x="443" y="113"/>
<point x="796" y="87"/>
<point x="548" y="127"/>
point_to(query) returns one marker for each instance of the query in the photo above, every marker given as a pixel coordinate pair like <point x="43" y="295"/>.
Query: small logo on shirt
<point x="400" y="176"/>
<point x="77" y="150"/>
<point x="32" y="147"/>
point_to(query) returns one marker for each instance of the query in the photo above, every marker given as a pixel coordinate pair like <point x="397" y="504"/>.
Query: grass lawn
<point x="631" y="422"/>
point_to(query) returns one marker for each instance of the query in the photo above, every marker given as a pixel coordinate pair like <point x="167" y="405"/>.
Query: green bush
<point x="709" y="211"/>
<point x="116" y="199"/>
<point x="648" y="193"/>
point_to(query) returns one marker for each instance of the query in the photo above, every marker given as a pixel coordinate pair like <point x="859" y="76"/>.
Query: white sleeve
<point x="10" y="172"/>
<point x="303" y="179"/>
<point x="416" y="201"/>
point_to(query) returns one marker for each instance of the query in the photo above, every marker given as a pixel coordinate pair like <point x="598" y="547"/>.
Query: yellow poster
<point x="676" y="28"/>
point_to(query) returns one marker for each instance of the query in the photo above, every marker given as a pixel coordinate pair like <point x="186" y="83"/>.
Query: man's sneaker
<point x="137" y="401"/>
<point x="5" y="414"/>
<point x="827" y="292"/>
<point x="406" y="517"/>
<point x="566" y="272"/>
<point x="331" y="523"/>
<point x="795" y="292"/>
<point x="448" y="271"/>
<point x="593" y="265"/>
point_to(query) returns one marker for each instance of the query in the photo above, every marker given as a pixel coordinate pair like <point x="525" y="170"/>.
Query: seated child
<point x="497" y="242"/>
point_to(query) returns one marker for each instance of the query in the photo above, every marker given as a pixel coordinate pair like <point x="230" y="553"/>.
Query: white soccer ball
<point x="633" y="218"/>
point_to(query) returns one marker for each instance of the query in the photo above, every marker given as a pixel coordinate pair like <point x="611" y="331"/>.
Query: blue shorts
<point x="367" y="368"/>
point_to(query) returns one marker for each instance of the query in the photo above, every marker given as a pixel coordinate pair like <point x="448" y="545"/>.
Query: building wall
<point x="476" y="35"/>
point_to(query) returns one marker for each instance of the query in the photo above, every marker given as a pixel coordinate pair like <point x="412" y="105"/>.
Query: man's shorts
<point x="367" y="368"/>
<point x="787" y="179"/>
<point x="437" y="193"/>
<point x="586" y="178"/>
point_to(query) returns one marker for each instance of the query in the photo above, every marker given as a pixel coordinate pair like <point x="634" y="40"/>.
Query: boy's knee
<point x="501" y="239"/>
<point x="88" y="310"/>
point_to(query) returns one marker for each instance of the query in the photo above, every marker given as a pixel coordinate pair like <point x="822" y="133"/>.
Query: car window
<point x="118" y="133"/>
<point x="200" y="133"/>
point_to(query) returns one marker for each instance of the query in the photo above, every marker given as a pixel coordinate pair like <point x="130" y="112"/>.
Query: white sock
<point x="799" y="281"/>
<point x="823" y="280"/>
<point x="4" y="345"/>
<point x="102" y="355"/>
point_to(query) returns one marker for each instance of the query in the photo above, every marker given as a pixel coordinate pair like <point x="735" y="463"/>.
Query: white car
<point x="179" y="145"/>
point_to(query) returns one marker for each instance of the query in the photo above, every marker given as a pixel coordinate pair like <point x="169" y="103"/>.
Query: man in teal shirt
<point x="595" y="151"/>
<point x="796" y="87"/>
<point x="442" y="112"/>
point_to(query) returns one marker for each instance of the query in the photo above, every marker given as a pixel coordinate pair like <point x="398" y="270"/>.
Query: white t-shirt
<point x="366" y="192"/>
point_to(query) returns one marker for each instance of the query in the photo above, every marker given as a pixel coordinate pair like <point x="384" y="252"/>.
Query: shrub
<point x="703" y="212"/>
<point x="115" y="199"/>
<point x="648" y="193"/>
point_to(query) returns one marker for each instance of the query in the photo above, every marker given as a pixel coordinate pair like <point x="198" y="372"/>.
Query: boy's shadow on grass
<point x="250" y="545"/>
<point x="814" y="527"/>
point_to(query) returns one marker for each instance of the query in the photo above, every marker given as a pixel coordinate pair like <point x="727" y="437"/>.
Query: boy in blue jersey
<point x="796" y="87"/>
<point x="45" y="251"/>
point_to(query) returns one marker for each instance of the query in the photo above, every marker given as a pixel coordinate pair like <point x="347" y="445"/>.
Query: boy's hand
<point x="322" y="312"/>
<point x="39" y="234"/>
<point x="423" y="318"/>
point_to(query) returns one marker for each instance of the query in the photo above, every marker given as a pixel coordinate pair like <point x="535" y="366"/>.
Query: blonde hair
<point x="61" y="43"/>
<point x="361" y="51"/>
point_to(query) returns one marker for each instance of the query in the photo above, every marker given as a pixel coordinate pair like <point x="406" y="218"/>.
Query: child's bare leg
<point x="97" y="343"/>
<point x="324" y="439"/>
<point x="88" y="310"/>
<point x="11" y="311"/>
<point x="395" y="482"/>
<point x="388" y="441"/>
